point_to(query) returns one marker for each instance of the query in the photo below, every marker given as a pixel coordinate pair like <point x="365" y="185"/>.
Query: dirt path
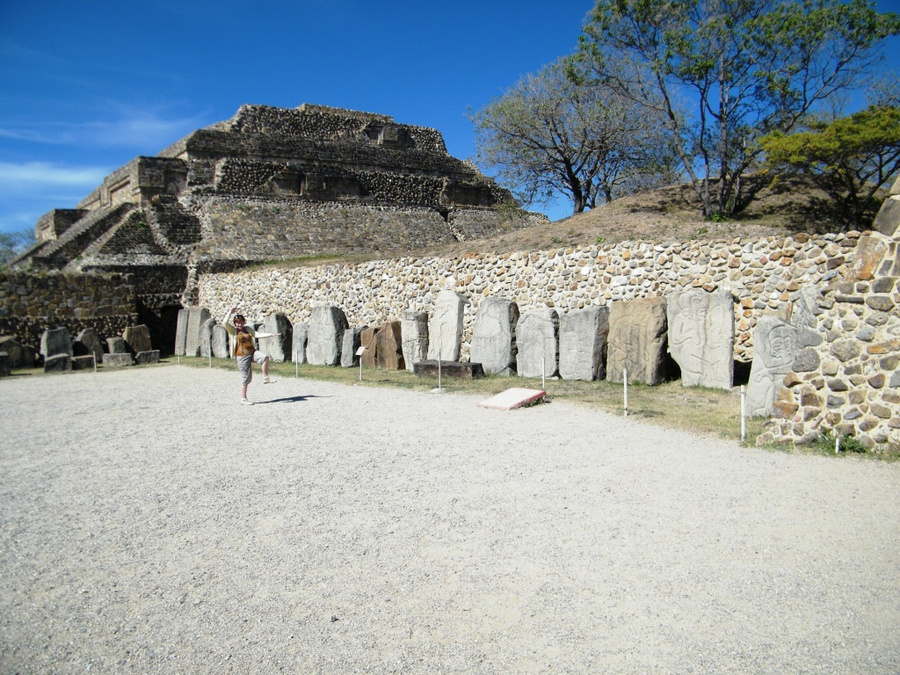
<point x="150" y="524"/>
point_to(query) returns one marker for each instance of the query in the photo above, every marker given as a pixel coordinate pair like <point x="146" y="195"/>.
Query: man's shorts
<point x="244" y="363"/>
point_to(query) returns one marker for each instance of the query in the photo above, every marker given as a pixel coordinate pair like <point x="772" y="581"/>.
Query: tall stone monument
<point x="537" y="341"/>
<point x="445" y="329"/>
<point x="494" y="335"/>
<point x="582" y="343"/>
<point x="701" y="337"/>
<point x="637" y="341"/>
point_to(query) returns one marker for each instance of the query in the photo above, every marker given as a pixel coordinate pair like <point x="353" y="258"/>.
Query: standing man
<point x="243" y="348"/>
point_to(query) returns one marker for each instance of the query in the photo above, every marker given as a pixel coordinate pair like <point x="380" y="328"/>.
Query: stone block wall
<point x="249" y="229"/>
<point x="762" y="275"/>
<point x="855" y="387"/>
<point x="32" y="303"/>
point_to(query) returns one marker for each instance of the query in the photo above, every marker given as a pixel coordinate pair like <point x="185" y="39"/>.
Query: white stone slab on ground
<point x="512" y="398"/>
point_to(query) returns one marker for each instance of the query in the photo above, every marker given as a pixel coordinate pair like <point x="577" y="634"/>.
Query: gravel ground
<point x="151" y="524"/>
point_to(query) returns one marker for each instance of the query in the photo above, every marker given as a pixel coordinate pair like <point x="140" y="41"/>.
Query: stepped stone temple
<point x="271" y="184"/>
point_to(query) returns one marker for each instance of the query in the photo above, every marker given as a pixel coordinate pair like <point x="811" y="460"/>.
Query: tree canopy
<point x="552" y="134"/>
<point x="850" y="158"/>
<point x="723" y="73"/>
<point x="13" y="243"/>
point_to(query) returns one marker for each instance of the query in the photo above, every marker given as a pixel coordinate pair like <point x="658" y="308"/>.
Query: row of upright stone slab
<point x="61" y="352"/>
<point x="632" y="338"/>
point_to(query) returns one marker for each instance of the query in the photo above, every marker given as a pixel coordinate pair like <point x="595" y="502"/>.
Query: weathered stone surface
<point x="299" y="342"/>
<point x="206" y="336"/>
<point x="537" y="342"/>
<point x="367" y="340"/>
<point x="637" y="341"/>
<point x="350" y="346"/>
<point x="701" y="337"/>
<point x="389" y="347"/>
<point x="85" y="362"/>
<point x="219" y="342"/>
<point x="464" y="370"/>
<point x="777" y="343"/>
<point x="582" y="344"/>
<point x="56" y="341"/>
<point x="5" y="365"/>
<point x="181" y="332"/>
<point x="57" y="363"/>
<point x="445" y="329"/>
<point x="116" y="345"/>
<point x="278" y="348"/>
<point x="137" y="338"/>
<point x="414" y="330"/>
<point x="146" y="357"/>
<point x="117" y="359"/>
<point x="326" y="335"/>
<point x="88" y="342"/>
<point x="870" y="251"/>
<point x="888" y="219"/>
<point x="493" y="335"/>
<point x="197" y="316"/>
<point x="20" y="356"/>
<point x="806" y="361"/>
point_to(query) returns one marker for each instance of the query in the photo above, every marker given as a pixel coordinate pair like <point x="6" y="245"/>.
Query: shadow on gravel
<point x="290" y="399"/>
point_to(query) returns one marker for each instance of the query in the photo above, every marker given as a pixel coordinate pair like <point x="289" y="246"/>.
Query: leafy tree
<point x="553" y="134"/>
<point x="850" y="158"/>
<point x="13" y="243"/>
<point x="747" y="67"/>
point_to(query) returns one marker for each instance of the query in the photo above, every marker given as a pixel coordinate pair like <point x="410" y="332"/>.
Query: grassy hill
<point x="779" y="207"/>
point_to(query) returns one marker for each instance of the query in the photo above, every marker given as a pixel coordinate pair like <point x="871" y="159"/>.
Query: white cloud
<point x="141" y="130"/>
<point x="47" y="176"/>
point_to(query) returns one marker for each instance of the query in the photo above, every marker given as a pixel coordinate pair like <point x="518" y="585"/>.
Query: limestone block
<point x="367" y="340"/>
<point x="149" y="356"/>
<point x="888" y="219"/>
<point x="537" y="343"/>
<point x="701" y="337"/>
<point x="582" y="343"/>
<point x="278" y="348"/>
<point x="637" y="341"/>
<point x="350" y="346"/>
<point x="389" y="347"/>
<point x="88" y="342"/>
<point x="56" y="341"/>
<point x="457" y="369"/>
<point x="137" y="338"/>
<point x="445" y="329"/>
<point x="414" y="330"/>
<point x="777" y="344"/>
<point x="298" y="342"/>
<point x="181" y="331"/>
<point x="116" y="345"/>
<point x="116" y="359"/>
<point x="219" y="344"/>
<point x="206" y="332"/>
<point x="58" y="363"/>
<point x="85" y="362"/>
<point x="870" y="251"/>
<point x="494" y="335"/>
<point x="197" y="316"/>
<point x="326" y="335"/>
<point x="20" y="356"/>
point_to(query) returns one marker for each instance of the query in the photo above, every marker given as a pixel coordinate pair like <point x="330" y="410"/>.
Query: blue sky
<point x="87" y="86"/>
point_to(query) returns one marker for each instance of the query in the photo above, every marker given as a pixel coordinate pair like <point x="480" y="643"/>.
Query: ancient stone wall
<point x="32" y="303"/>
<point x="255" y="229"/>
<point x="761" y="274"/>
<point x="852" y="385"/>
